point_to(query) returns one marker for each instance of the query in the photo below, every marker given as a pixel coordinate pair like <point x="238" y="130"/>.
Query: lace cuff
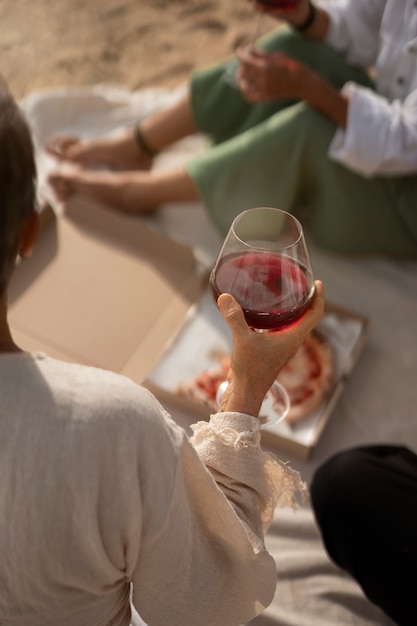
<point x="238" y="430"/>
<point x="230" y="446"/>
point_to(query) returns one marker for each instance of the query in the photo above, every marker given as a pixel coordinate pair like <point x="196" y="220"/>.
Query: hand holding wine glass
<point x="264" y="264"/>
<point x="257" y="358"/>
<point x="265" y="6"/>
<point x="265" y="76"/>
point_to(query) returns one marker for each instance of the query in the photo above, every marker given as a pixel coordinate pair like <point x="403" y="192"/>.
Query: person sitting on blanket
<point x="308" y="127"/>
<point x="102" y="494"/>
<point x="365" y="504"/>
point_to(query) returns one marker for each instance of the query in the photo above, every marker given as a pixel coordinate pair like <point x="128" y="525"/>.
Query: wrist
<point x="243" y="397"/>
<point x="309" y="19"/>
<point x="310" y="83"/>
<point x="322" y="96"/>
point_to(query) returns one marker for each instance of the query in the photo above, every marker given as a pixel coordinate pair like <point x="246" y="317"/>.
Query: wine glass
<point x="275" y="405"/>
<point x="232" y="66"/>
<point x="264" y="263"/>
<point x="279" y="4"/>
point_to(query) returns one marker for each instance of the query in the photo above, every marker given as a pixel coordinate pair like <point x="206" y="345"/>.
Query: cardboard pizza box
<point x="102" y="289"/>
<point x="204" y="338"/>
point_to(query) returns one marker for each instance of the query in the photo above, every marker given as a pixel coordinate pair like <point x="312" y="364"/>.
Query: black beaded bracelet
<point x="142" y="143"/>
<point x="309" y="19"/>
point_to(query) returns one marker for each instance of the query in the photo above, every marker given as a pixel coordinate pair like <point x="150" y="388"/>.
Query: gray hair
<point x="17" y="180"/>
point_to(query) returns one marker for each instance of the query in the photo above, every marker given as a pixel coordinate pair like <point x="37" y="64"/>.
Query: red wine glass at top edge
<point x="279" y="4"/>
<point x="264" y="263"/>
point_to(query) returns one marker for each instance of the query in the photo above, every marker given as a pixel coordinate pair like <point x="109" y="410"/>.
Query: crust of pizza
<point x="203" y="388"/>
<point x="307" y="377"/>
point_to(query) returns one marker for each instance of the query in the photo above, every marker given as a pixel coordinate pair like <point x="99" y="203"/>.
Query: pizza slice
<point x="307" y="378"/>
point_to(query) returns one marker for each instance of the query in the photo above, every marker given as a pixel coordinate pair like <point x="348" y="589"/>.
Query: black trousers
<point x="365" y="503"/>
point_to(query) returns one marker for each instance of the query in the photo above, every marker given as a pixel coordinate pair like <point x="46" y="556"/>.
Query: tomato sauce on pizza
<point x="307" y="377"/>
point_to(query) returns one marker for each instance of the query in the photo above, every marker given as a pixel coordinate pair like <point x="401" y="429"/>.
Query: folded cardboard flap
<point x="129" y="233"/>
<point x="102" y="289"/>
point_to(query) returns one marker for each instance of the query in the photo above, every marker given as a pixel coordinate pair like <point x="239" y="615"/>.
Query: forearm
<point x="325" y="98"/>
<point x="320" y="25"/>
<point x="317" y="92"/>
<point x="242" y="398"/>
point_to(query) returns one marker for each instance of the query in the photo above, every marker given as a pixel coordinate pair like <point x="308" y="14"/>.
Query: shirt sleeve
<point x="380" y="138"/>
<point x="218" y="443"/>
<point x="354" y="28"/>
<point x="206" y="563"/>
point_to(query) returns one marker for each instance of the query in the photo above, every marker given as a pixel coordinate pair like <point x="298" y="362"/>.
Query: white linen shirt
<point x="380" y="138"/>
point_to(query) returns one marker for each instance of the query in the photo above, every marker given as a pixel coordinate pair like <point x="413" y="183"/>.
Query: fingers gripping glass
<point x="264" y="263"/>
<point x="233" y="65"/>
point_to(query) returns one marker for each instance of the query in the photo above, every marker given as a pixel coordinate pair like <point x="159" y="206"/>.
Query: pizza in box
<point x="307" y="378"/>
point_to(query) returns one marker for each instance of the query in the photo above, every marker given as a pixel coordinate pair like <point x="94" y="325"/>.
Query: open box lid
<point x="102" y="289"/>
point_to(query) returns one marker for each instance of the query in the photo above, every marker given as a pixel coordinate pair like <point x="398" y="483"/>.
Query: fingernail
<point x="227" y="301"/>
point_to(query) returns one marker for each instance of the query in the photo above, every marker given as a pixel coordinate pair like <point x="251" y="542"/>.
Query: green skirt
<point x="275" y="154"/>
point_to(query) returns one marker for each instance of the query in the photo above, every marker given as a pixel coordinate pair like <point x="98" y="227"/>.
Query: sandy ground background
<point x="132" y="43"/>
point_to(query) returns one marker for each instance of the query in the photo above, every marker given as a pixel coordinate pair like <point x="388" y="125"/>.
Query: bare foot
<point x="127" y="192"/>
<point x="119" y="152"/>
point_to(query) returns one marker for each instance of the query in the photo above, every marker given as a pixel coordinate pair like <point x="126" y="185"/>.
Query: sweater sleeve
<point x="207" y="564"/>
<point x="229" y="445"/>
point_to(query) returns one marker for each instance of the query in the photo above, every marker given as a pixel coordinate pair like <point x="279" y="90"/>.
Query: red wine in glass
<point x="274" y="290"/>
<point x="264" y="263"/>
<point x="278" y="4"/>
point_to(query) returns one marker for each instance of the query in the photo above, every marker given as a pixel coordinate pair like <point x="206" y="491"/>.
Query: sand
<point x="131" y="43"/>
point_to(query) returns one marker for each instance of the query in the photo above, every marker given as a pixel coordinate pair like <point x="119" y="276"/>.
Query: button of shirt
<point x="400" y="80"/>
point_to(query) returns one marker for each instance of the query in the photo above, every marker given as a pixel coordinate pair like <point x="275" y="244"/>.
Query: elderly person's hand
<point x="257" y="358"/>
<point x="264" y="76"/>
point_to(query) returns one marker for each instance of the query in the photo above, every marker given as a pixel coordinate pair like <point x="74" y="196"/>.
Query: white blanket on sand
<point x="380" y="399"/>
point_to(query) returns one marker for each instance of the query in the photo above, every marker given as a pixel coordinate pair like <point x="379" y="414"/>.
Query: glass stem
<point x="258" y="28"/>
